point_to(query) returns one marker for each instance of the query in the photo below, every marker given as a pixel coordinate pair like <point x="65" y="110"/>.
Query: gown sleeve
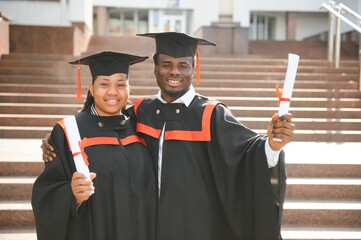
<point x="53" y="202"/>
<point x="253" y="205"/>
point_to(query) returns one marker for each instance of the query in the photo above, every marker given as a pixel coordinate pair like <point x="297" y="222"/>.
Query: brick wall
<point x="44" y="39"/>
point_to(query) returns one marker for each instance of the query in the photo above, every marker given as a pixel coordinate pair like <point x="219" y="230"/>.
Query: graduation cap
<point x="105" y="64"/>
<point x="178" y="45"/>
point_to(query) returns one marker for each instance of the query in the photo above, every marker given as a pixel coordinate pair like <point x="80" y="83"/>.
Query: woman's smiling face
<point x="110" y="93"/>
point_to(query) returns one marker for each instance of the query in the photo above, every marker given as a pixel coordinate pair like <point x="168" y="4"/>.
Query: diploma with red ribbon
<point x="73" y="136"/>
<point x="285" y="96"/>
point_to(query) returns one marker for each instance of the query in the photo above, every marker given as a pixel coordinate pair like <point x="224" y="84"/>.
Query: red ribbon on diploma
<point x="82" y="145"/>
<point x="280" y="98"/>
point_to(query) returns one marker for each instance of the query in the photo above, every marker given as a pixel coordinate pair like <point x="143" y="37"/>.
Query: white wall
<point x="81" y="11"/>
<point x="34" y="13"/>
<point x="43" y="13"/>
<point x="241" y="12"/>
<point x="205" y="12"/>
<point x="309" y="24"/>
<point x="280" y="26"/>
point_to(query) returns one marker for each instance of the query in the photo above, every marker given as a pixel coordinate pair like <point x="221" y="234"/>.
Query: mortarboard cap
<point x="176" y="44"/>
<point x="105" y="64"/>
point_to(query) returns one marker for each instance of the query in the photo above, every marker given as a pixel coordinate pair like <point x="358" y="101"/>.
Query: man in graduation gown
<point x="214" y="174"/>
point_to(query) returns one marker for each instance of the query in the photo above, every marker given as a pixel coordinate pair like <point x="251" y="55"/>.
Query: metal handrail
<point x="340" y="16"/>
<point x="350" y="11"/>
<point x="336" y="10"/>
<point x="3" y="17"/>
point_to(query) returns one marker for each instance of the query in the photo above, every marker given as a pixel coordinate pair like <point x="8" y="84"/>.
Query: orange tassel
<point x="198" y="68"/>
<point x="79" y="90"/>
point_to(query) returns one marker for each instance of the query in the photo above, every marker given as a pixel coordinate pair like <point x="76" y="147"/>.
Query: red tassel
<point x="198" y="68"/>
<point x="79" y="90"/>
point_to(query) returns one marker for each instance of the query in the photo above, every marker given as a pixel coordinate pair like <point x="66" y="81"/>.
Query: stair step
<point x="16" y="109"/>
<point x="27" y="167"/>
<point x="16" y="188"/>
<point x="14" y="92"/>
<point x="322" y="214"/>
<point x="323" y="189"/>
<point x="40" y="108"/>
<point x="71" y="73"/>
<point x="19" y="150"/>
<point x="326" y="84"/>
<point x="24" y="132"/>
<point x="229" y="101"/>
<point x="327" y="169"/>
<point x="323" y="153"/>
<point x="36" y="56"/>
<point x="11" y="121"/>
<point x="44" y="67"/>
<point x="13" y="168"/>
<point x="300" y="135"/>
<point x="287" y="234"/>
<point x="29" y="120"/>
<point x="20" y="188"/>
<point x="16" y="214"/>
<point x="300" y="214"/>
<point x="205" y="60"/>
<point x="338" y="233"/>
<point x="298" y="112"/>
<point x="18" y="233"/>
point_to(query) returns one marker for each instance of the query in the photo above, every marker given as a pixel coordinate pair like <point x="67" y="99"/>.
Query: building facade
<point x="229" y="22"/>
<point x="265" y="20"/>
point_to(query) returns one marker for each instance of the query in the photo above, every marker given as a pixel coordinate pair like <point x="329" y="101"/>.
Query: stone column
<point x="291" y="20"/>
<point x="102" y="18"/>
<point x="225" y="11"/>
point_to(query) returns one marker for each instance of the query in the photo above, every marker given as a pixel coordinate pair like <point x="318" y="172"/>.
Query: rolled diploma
<point x="293" y="60"/>
<point x="74" y="138"/>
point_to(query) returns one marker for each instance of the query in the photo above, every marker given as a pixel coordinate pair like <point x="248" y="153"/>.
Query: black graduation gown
<point x="124" y="203"/>
<point x="215" y="181"/>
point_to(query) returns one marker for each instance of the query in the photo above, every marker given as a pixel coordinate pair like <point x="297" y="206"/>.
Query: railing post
<point x="330" y="33"/>
<point x="338" y="39"/>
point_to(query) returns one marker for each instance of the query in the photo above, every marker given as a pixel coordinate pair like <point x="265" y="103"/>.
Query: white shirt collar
<point x="186" y="99"/>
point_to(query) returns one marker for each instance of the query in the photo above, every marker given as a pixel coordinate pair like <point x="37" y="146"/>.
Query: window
<point x="262" y="27"/>
<point x="114" y="23"/>
<point x="127" y="22"/>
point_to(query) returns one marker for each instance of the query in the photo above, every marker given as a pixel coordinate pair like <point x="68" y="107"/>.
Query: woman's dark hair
<point x="88" y="101"/>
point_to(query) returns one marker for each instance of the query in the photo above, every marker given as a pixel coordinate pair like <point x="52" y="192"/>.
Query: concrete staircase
<point x="324" y="186"/>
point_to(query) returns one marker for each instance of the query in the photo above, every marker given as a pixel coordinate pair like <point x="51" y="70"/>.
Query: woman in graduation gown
<point x="120" y="202"/>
